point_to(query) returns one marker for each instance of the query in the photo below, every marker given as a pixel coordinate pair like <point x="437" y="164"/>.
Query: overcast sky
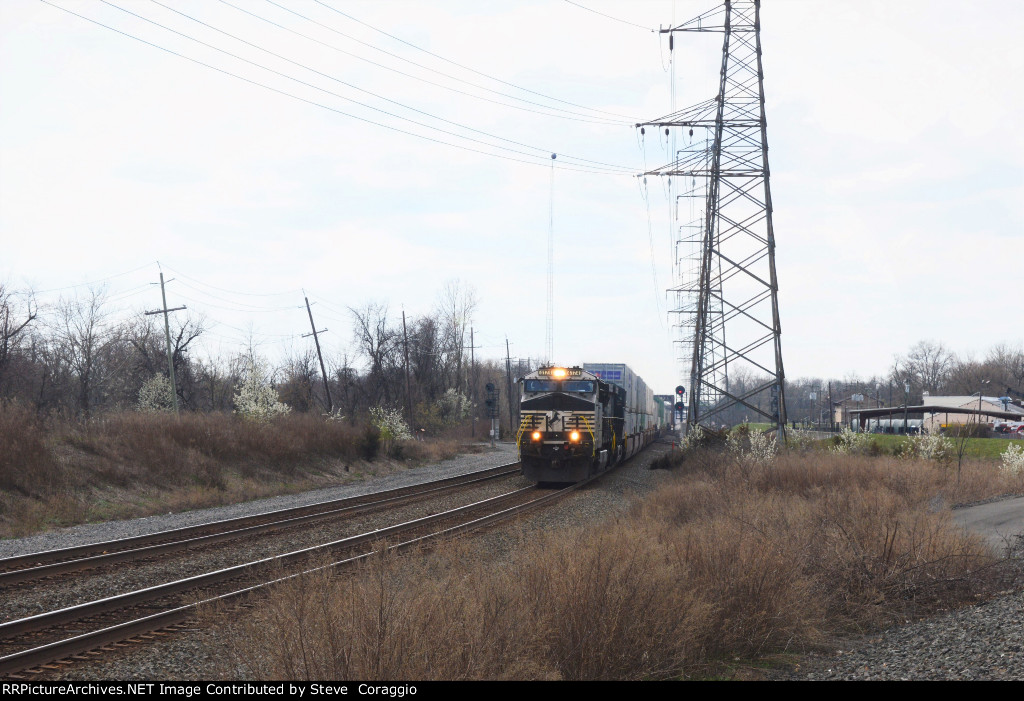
<point x="894" y="128"/>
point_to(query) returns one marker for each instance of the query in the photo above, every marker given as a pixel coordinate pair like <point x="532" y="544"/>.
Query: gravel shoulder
<point x="984" y="642"/>
<point x="112" y="530"/>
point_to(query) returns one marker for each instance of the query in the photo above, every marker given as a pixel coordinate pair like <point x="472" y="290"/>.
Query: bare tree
<point x="216" y="382"/>
<point x="345" y="383"/>
<point x="301" y="374"/>
<point x="82" y="333"/>
<point x="1010" y="362"/>
<point x="455" y="312"/>
<point x="17" y="311"/>
<point x="425" y="361"/>
<point x="926" y="366"/>
<point x="380" y="346"/>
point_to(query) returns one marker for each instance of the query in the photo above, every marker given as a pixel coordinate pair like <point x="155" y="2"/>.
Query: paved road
<point x="998" y="521"/>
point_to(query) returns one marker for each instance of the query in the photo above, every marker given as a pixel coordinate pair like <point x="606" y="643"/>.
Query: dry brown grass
<point x="727" y="561"/>
<point x="454" y="617"/>
<point x="60" y="472"/>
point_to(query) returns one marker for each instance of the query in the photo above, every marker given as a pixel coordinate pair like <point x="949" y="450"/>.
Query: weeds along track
<point x="88" y="629"/>
<point x="53" y="563"/>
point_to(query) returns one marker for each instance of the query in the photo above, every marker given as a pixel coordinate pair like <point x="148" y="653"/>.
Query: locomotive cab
<point x="566" y="430"/>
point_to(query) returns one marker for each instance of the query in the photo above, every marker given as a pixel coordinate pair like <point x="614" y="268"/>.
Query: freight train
<point x="578" y="421"/>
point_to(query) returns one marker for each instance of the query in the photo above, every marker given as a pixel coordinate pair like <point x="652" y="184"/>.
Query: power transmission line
<point x="334" y="109"/>
<point x="349" y="85"/>
<point x="568" y="114"/>
<point x="589" y="9"/>
<point x="463" y="67"/>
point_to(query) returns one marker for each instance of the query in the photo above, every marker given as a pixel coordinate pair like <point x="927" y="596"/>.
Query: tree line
<point x="79" y="356"/>
<point x="928" y="368"/>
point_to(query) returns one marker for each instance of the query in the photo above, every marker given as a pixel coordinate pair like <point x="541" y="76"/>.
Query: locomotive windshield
<point x="585" y="386"/>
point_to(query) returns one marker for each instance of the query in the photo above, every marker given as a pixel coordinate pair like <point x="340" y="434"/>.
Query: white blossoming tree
<point x="155" y="394"/>
<point x="930" y="446"/>
<point x="1013" y="459"/>
<point x="752" y="447"/>
<point x="390" y="423"/>
<point x="852" y="443"/>
<point x="256" y="399"/>
<point x="453" y="406"/>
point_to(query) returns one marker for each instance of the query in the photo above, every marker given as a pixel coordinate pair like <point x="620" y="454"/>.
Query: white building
<point x="933" y="421"/>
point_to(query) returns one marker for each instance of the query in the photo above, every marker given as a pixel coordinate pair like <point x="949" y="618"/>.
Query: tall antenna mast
<point x="736" y="286"/>
<point x="549" y="338"/>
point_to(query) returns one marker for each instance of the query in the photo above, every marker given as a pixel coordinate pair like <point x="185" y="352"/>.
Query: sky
<point x="362" y="152"/>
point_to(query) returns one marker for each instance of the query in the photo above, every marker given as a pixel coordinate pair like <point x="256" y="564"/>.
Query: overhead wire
<point x="245" y="306"/>
<point x="333" y="109"/>
<point x="234" y="309"/>
<point x="223" y="289"/>
<point x="350" y="85"/>
<point x="590" y="9"/>
<point x="463" y="67"/>
<point x="650" y="240"/>
<point x="329" y="305"/>
<point x="568" y="114"/>
<point x="95" y="282"/>
<point x="131" y="292"/>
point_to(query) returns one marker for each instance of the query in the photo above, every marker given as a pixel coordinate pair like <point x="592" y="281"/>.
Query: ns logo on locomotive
<point x="578" y="421"/>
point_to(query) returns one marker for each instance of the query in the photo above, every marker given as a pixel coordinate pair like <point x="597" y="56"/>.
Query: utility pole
<point x="508" y="375"/>
<point x="316" y="339"/>
<point x="831" y="412"/>
<point x="167" y="334"/>
<point x="472" y="364"/>
<point x="470" y="380"/>
<point x="408" y="394"/>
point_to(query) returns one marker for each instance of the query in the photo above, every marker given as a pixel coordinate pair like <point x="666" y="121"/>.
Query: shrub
<point x="854" y="443"/>
<point x="369" y="442"/>
<point x="453" y="407"/>
<point x="797" y="439"/>
<point x="752" y="447"/>
<point x="929" y="446"/>
<point x="700" y="437"/>
<point x="1013" y="459"/>
<point x="390" y="423"/>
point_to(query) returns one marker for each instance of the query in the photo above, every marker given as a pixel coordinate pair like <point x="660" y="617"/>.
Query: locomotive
<point x="578" y="421"/>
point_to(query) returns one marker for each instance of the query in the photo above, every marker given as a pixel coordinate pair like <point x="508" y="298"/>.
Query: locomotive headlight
<point x="559" y="372"/>
<point x="574" y="436"/>
<point x="536" y="435"/>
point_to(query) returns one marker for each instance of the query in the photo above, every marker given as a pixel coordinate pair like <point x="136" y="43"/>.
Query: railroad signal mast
<point x="734" y="287"/>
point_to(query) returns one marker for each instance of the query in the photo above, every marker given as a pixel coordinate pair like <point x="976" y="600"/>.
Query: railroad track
<point x="139" y="615"/>
<point x="52" y="563"/>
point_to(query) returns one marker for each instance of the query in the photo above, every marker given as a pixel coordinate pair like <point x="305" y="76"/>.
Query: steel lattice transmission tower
<point x="728" y="308"/>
